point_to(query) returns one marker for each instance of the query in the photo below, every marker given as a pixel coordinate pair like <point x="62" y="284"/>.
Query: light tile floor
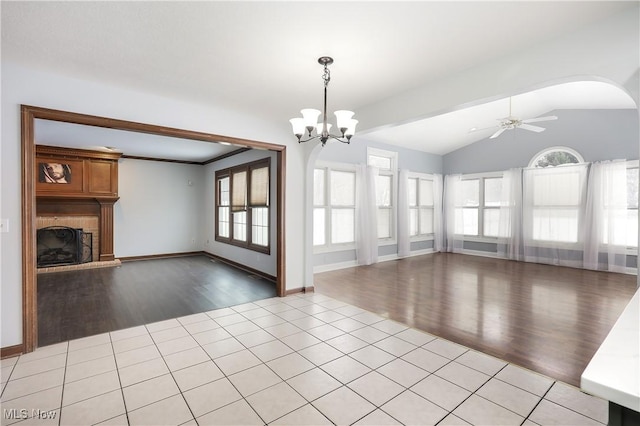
<point x="305" y="359"/>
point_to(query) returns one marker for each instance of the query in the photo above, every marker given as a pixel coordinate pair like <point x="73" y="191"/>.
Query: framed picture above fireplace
<point x="55" y="175"/>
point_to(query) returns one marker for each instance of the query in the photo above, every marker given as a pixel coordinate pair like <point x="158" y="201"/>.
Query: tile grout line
<point x="64" y="377"/>
<point x="124" y="401"/>
<point x="294" y="351"/>
<point x="172" y="377"/>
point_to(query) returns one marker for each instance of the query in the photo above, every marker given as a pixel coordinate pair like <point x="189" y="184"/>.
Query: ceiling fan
<point x="511" y="122"/>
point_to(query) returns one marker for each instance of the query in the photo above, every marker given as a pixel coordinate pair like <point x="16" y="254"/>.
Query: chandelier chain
<point x="326" y="76"/>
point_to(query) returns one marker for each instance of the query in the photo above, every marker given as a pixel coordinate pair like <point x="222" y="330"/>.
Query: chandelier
<point x="309" y="121"/>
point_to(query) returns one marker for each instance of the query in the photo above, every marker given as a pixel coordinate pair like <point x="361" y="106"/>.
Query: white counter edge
<point x="614" y="371"/>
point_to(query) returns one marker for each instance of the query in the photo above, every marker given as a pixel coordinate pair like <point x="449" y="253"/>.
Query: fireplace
<point x="63" y="245"/>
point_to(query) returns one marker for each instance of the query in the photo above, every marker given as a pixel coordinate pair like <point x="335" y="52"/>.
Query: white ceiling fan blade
<point x="536" y="129"/>
<point x="535" y="120"/>
<point x="496" y="134"/>
<point x="475" y="129"/>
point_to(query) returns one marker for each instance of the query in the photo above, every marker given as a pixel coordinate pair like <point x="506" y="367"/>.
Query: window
<point x="554" y="198"/>
<point x="491" y="206"/>
<point x="467" y="208"/>
<point x="556" y="156"/>
<point x="478" y="206"/>
<point x="420" y="206"/>
<point x="632" y="205"/>
<point x="627" y="219"/>
<point x="334" y="206"/>
<point x="242" y="205"/>
<point x="386" y="162"/>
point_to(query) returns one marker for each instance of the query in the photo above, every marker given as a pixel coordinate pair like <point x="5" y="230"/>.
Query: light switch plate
<point x="4" y="225"/>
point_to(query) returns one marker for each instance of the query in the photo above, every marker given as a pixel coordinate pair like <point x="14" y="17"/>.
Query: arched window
<point x="556" y="156"/>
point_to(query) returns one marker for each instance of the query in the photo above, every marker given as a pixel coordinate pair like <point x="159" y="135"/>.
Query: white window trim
<point x="328" y="247"/>
<point x="393" y="172"/>
<point x="480" y="238"/>
<point x="632" y="251"/>
<point x="422" y="237"/>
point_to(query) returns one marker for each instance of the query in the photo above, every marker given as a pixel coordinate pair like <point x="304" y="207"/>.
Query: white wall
<point x="160" y="210"/>
<point x="22" y="85"/>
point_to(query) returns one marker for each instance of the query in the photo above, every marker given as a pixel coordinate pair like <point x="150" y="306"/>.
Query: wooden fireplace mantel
<point x="89" y="187"/>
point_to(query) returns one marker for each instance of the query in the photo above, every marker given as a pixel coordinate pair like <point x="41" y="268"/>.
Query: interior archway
<point x="28" y="116"/>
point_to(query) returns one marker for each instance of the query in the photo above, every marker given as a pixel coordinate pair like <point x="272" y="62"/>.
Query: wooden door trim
<point x="28" y="116"/>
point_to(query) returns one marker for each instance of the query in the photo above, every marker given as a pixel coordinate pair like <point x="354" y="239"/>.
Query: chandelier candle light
<point x="309" y="121"/>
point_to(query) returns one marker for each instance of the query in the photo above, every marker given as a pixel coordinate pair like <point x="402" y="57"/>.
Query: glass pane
<point x="342" y="226"/>
<point x="223" y="188"/>
<point x="318" y="187"/>
<point x="384" y="223"/>
<point x="470" y="193"/>
<point x="466" y="221"/>
<point x="426" y="192"/>
<point x="555" y="225"/>
<point x="555" y="158"/>
<point x="240" y="226"/>
<point x="556" y="189"/>
<point x="492" y="192"/>
<point x="632" y="228"/>
<point x="412" y="192"/>
<point x="623" y="231"/>
<point x="343" y="188"/>
<point x="383" y="190"/>
<point x="260" y="226"/>
<point x="632" y="187"/>
<point x="383" y="163"/>
<point x="491" y="221"/>
<point x="223" y="222"/>
<point x="413" y="222"/>
<point x="319" y="227"/>
<point x="426" y="221"/>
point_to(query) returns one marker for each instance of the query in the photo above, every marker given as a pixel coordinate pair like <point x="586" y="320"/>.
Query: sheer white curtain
<point x="606" y="238"/>
<point x="438" y="218"/>
<point x="554" y="204"/>
<point x="510" y="221"/>
<point x="453" y="213"/>
<point x="404" y="242"/>
<point x="366" y="215"/>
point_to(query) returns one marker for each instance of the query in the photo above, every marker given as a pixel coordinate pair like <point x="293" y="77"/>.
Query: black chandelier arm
<point x="324" y="139"/>
<point x="343" y="139"/>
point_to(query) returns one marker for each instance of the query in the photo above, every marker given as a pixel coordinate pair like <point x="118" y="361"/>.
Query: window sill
<point x="333" y="248"/>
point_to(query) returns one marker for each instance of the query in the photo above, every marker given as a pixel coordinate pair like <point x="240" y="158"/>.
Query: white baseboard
<point x="480" y="253"/>
<point x="334" y="266"/>
<point x="352" y="263"/>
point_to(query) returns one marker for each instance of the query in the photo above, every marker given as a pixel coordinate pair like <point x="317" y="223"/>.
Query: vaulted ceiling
<point x="261" y="57"/>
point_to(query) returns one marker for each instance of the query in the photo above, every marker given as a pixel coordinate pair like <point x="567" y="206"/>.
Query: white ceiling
<point x="260" y="57"/>
<point x="136" y="144"/>
<point x="447" y="132"/>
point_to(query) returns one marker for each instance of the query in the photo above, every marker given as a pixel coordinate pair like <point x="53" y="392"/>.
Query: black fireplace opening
<point x="62" y="245"/>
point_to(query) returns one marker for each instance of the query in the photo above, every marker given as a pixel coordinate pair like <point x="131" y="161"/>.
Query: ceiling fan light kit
<point x="511" y="122"/>
<point x="309" y="120"/>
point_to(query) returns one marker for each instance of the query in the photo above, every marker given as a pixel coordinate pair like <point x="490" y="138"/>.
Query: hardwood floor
<point x="546" y="318"/>
<point x="81" y="303"/>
